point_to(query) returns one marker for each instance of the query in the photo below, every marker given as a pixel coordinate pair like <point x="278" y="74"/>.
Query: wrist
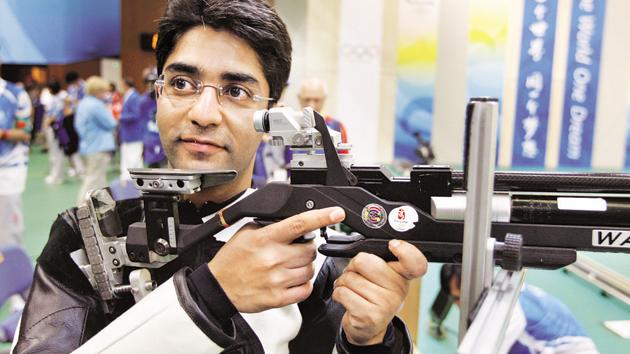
<point x="377" y="339"/>
<point x="222" y="282"/>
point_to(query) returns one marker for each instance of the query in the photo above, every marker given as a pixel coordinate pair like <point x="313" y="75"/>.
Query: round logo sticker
<point x="374" y="216"/>
<point x="403" y="218"/>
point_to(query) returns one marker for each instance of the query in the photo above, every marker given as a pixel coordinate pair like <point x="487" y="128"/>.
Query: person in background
<point x="52" y="125"/>
<point x="15" y="127"/>
<point x="75" y="87"/>
<point x="95" y="126"/>
<point x="540" y="323"/>
<point x="269" y="166"/>
<point x="313" y="93"/>
<point x="154" y="155"/>
<point x="40" y="97"/>
<point x="70" y="142"/>
<point x="115" y="100"/>
<point x="133" y="126"/>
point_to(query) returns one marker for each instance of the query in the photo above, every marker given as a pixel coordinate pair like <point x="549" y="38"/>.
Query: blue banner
<point x="534" y="83"/>
<point x="58" y="31"/>
<point x="415" y="77"/>
<point x="580" y="93"/>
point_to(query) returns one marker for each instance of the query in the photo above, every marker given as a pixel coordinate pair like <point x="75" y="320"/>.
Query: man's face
<point x="312" y="96"/>
<point x="205" y="134"/>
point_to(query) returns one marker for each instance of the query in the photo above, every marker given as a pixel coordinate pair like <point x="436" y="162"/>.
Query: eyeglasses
<point x="185" y="90"/>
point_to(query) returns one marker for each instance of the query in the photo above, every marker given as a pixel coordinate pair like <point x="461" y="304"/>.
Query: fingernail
<point x="337" y="214"/>
<point x="394" y="243"/>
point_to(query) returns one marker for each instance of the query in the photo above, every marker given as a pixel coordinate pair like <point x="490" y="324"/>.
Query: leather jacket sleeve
<point x="62" y="310"/>
<point x="56" y="319"/>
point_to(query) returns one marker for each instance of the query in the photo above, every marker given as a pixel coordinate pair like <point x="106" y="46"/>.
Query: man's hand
<point x="372" y="291"/>
<point x="260" y="268"/>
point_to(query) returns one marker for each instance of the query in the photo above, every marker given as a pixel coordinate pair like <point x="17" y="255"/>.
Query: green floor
<point x="42" y="203"/>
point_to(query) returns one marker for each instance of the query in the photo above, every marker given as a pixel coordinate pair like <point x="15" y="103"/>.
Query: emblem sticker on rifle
<point x="374" y="216"/>
<point x="611" y="238"/>
<point x="403" y="218"/>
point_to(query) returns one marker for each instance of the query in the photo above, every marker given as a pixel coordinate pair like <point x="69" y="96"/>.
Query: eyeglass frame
<point x="161" y="83"/>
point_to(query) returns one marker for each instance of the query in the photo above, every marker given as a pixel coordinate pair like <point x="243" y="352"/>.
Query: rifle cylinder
<point x="453" y="208"/>
<point x="550" y="210"/>
<point x="601" y="211"/>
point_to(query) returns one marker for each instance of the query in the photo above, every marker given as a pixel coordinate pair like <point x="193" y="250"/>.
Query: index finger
<point x="289" y="229"/>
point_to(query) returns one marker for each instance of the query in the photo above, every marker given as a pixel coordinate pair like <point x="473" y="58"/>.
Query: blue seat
<point x="120" y="192"/>
<point x="16" y="275"/>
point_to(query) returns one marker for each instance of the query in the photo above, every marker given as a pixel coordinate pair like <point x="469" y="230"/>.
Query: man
<point x="75" y="88"/>
<point x="95" y="125"/>
<point x="132" y="130"/>
<point x="70" y="143"/>
<point x="221" y="60"/>
<point x="540" y="323"/>
<point x="15" y="125"/>
<point x="153" y="154"/>
<point x="313" y="93"/>
<point x="52" y="123"/>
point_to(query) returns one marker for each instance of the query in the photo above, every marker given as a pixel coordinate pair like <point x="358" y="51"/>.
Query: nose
<point x="206" y="110"/>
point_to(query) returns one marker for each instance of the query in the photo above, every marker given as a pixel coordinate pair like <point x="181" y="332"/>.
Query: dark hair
<point x="71" y="77"/>
<point x="254" y="21"/>
<point x="448" y="272"/>
<point x="54" y="87"/>
<point x="129" y="82"/>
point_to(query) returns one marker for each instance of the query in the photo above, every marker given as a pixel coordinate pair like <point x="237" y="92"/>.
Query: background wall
<point x="58" y="31"/>
<point x="138" y="16"/>
<point x="477" y="53"/>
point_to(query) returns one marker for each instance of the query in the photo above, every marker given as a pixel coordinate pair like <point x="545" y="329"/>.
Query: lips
<point x="200" y="144"/>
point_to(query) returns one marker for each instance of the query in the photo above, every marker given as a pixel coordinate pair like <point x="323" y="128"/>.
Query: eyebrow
<point x="230" y="76"/>
<point x="239" y="77"/>
<point x="226" y="76"/>
<point x="183" y="68"/>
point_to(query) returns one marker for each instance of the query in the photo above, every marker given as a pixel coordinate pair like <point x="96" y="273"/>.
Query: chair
<point x="16" y="275"/>
<point x="122" y="191"/>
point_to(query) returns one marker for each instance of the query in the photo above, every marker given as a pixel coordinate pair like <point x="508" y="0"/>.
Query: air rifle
<point x="538" y="219"/>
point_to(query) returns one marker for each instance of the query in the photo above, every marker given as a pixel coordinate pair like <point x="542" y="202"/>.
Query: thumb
<point x="411" y="262"/>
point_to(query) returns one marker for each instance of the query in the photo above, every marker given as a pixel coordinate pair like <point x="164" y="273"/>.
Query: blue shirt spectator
<point x="75" y="89"/>
<point x="15" y="113"/>
<point x="540" y="323"/>
<point x="95" y="124"/>
<point x="153" y="150"/>
<point x="133" y="124"/>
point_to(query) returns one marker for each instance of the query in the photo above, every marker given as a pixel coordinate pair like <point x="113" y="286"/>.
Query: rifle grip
<point x="377" y="247"/>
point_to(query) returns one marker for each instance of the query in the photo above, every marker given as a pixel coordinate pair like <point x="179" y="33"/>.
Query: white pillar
<point x="447" y="137"/>
<point x="609" y="140"/>
<point x="359" y="76"/>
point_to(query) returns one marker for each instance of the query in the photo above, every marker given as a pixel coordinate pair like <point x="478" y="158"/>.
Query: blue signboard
<point x="534" y="83"/>
<point x="58" y="31"/>
<point x="580" y="93"/>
